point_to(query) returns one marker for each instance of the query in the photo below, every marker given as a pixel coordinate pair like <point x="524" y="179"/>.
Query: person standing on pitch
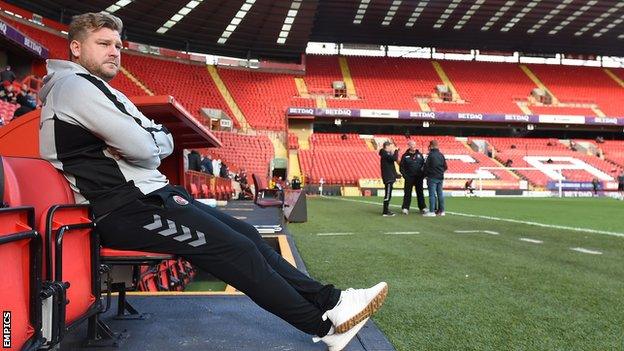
<point x="411" y="166"/>
<point x="389" y="155"/>
<point x="621" y="185"/>
<point x="435" y="166"/>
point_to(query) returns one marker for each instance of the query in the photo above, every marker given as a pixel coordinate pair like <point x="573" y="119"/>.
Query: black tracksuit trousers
<point x="411" y="182"/>
<point x="228" y="248"/>
<point x="387" y="196"/>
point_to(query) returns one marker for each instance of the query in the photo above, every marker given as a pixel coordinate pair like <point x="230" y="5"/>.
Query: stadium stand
<point x="293" y="141"/>
<point x="338" y="159"/>
<point x="190" y="84"/>
<point x="582" y="85"/>
<point x="6" y="111"/>
<point x="321" y="71"/>
<point x="474" y="83"/>
<point x="263" y="97"/>
<point x="122" y="83"/>
<point x="462" y="161"/>
<point x="614" y="151"/>
<point x="346" y="160"/>
<point x="532" y="152"/>
<point x="250" y="152"/>
<point x="56" y="44"/>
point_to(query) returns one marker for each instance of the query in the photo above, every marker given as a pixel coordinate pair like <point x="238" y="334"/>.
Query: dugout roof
<point x="280" y="29"/>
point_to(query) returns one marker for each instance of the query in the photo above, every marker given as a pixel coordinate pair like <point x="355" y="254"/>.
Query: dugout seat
<point x="68" y="236"/>
<point x="261" y="190"/>
<point x="20" y="297"/>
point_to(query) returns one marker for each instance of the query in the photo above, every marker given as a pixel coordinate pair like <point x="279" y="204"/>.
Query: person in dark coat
<point x="389" y="155"/>
<point x="194" y="161"/>
<point x="435" y="166"/>
<point x="224" y="172"/>
<point x="411" y="166"/>
<point x="206" y="164"/>
<point x="7" y="75"/>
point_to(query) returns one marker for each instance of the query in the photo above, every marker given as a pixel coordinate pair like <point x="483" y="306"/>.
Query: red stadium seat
<point x="261" y="190"/>
<point x="20" y="245"/>
<point x="69" y="227"/>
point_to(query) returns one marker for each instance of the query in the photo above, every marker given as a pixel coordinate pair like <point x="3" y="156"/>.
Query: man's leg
<point x="407" y="193"/>
<point x="325" y="297"/>
<point x="440" y="193"/>
<point x="202" y="239"/>
<point x="432" y="194"/>
<point x="420" y="195"/>
<point x="387" y="197"/>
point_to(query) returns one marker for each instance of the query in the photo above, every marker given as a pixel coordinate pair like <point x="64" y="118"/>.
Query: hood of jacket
<point x="57" y="70"/>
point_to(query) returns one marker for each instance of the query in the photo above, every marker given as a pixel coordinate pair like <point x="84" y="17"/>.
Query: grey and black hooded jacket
<point x="105" y="147"/>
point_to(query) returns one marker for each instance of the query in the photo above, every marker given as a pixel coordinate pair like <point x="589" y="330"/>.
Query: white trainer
<point x="442" y="214"/>
<point x="337" y="342"/>
<point x="355" y="305"/>
<point x="429" y="214"/>
<point x="405" y="211"/>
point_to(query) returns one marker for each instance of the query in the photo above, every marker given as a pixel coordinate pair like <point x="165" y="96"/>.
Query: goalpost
<point x="558" y="170"/>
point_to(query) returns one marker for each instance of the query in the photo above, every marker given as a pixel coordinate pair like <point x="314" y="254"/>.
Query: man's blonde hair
<point x="81" y="25"/>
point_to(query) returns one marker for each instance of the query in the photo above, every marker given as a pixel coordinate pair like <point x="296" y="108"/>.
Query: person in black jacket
<point x="389" y="155"/>
<point x="194" y="161"/>
<point x="411" y="166"/>
<point x="435" y="166"/>
<point x="206" y="164"/>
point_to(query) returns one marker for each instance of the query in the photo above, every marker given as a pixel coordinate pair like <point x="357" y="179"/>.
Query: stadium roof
<point x="281" y="29"/>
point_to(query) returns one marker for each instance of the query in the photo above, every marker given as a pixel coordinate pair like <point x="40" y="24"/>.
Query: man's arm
<point x="444" y="161"/>
<point x="402" y="164"/>
<point x="89" y="106"/>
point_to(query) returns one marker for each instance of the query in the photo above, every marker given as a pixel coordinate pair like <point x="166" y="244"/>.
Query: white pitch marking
<point x="401" y="233"/>
<point x="591" y="252"/>
<point x="491" y="232"/>
<point x="537" y="224"/>
<point x="333" y="234"/>
<point x="534" y="241"/>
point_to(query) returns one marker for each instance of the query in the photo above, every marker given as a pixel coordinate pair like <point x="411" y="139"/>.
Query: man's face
<point x="389" y="147"/>
<point x="99" y="53"/>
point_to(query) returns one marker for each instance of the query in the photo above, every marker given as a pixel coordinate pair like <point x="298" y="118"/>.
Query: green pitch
<point x="480" y="290"/>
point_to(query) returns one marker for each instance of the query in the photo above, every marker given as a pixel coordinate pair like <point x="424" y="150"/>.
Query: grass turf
<point x="478" y="291"/>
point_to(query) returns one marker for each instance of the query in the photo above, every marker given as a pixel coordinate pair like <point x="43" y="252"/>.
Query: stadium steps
<point x="303" y="133"/>
<point x="524" y="108"/>
<point x="532" y="76"/>
<point x="294" y="168"/>
<point x="134" y="80"/>
<point x="369" y="143"/>
<point x="346" y="76"/>
<point x="279" y="148"/>
<point x="612" y="75"/>
<point x="424" y="106"/>
<point x="321" y="102"/>
<point x="229" y="100"/>
<point x="302" y="88"/>
<point x="445" y="79"/>
<point x="598" y="111"/>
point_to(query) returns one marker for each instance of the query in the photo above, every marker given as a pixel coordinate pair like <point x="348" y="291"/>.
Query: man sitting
<point x="110" y="153"/>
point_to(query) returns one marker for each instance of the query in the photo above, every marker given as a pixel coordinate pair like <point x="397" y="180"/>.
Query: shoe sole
<point x="368" y="311"/>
